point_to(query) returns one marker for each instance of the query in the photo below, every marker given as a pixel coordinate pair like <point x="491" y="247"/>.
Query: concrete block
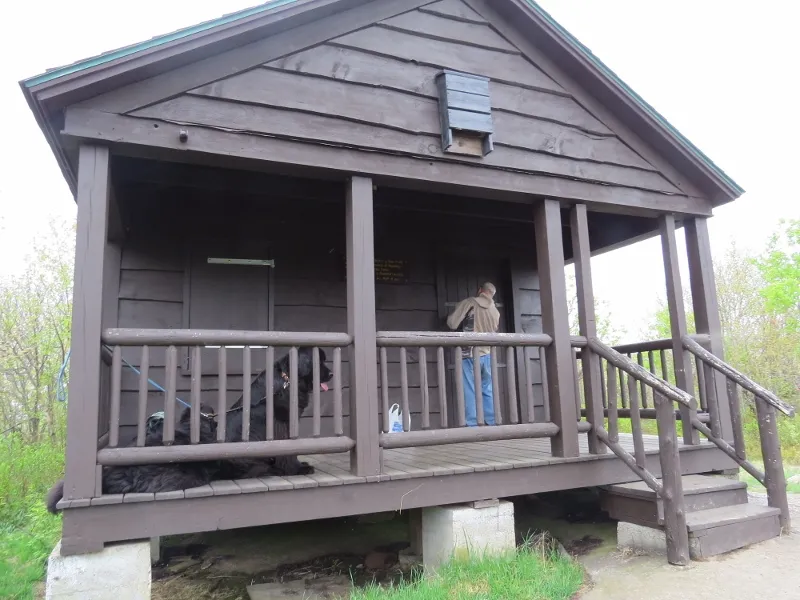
<point x="155" y="549"/>
<point x="118" y="572"/>
<point x="458" y="530"/>
<point x="640" y="538"/>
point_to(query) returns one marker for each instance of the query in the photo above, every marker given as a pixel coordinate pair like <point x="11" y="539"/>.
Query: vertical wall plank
<point x="555" y="323"/>
<point x="579" y="224"/>
<point x="84" y="381"/>
<point x="365" y="457"/>
<point x="677" y="318"/>
<point x="706" y="309"/>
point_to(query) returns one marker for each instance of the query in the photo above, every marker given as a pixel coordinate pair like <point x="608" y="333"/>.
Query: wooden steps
<point x="718" y="517"/>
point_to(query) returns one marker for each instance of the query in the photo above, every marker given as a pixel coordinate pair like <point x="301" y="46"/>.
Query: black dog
<point x="159" y="477"/>
<point x="178" y="476"/>
<point x="278" y="465"/>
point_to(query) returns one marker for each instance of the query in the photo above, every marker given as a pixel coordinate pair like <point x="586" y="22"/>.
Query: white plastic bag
<point x="395" y="419"/>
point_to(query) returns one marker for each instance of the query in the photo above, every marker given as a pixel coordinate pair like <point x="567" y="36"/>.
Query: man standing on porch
<point x="478" y="314"/>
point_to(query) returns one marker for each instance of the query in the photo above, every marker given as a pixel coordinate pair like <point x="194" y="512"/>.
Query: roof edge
<point x="100" y="59"/>
<point x="733" y="188"/>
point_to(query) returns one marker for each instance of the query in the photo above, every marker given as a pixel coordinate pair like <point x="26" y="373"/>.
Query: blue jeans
<point x="469" y="390"/>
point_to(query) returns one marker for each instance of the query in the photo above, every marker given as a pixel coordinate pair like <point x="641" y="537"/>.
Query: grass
<point x="533" y="572"/>
<point x="755" y="486"/>
<point x="27" y="531"/>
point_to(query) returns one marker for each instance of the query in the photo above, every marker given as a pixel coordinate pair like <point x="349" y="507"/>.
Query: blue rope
<point x="61" y="393"/>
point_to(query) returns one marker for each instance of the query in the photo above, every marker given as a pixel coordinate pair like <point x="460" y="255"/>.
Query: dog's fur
<point x="278" y="465"/>
<point x="178" y="476"/>
<point x="159" y="477"/>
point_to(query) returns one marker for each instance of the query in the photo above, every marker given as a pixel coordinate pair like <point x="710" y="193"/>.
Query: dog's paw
<point x="305" y="469"/>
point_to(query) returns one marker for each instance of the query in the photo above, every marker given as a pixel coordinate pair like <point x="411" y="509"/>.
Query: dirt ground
<point x="338" y="552"/>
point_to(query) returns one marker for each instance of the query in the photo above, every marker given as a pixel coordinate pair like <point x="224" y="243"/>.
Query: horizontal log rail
<point x="413" y="439"/>
<point x="209" y="452"/>
<point x="214" y="337"/>
<point x="389" y="339"/>
<point x="653" y="345"/>
<point x="647" y="413"/>
<point x="766" y="404"/>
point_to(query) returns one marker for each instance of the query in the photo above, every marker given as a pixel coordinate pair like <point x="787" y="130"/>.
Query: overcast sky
<point x="724" y="72"/>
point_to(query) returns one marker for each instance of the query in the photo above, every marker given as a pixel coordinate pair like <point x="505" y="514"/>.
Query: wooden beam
<point x="579" y="225"/>
<point x="135" y="136"/>
<point x="87" y="314"/>
<point x="361" y="325"/>
<point x="555" y="323"/>
<point x="706" y="310"/>
<point x="677" y="319"/>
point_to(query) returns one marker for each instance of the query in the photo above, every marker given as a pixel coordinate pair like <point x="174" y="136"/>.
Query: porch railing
<point x="664" y="395"/>
<point x="110" y="452"/>
<point x="767" y="404"/>
<point x="513" y="423"/>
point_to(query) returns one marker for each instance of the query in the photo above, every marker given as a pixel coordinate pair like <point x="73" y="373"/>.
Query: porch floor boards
<point x="404" y="463"/>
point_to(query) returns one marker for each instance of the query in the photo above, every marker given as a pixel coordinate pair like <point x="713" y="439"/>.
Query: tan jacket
<point x="486" y="319"/>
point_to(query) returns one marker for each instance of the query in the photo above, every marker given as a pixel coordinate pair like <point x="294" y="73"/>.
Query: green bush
<point x="27" y="531"/>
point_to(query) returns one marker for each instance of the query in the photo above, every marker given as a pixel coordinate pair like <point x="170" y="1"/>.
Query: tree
<point x="605" y="330"/>
<point x="35" y="315"/>
<point x="779" y="266"/>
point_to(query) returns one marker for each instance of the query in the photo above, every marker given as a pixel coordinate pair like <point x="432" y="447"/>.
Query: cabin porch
<point x="203" y="278"/>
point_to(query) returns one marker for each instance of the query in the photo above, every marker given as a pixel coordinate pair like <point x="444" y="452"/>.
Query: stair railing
<point x="670" y="488"/>
<point x="773" y="477"/>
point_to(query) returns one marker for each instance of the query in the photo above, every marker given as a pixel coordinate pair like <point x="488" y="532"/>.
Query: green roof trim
<point x="152" y="43"/>
<point x="639" y="100"/>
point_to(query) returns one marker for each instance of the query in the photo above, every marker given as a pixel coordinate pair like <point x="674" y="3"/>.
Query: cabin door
<point x="227" y="286"/>
<point x="459" y="277"/>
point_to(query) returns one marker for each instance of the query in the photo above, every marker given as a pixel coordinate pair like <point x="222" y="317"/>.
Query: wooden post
<point x="672" y="491"/>
<point x="84" y="380"/>
<point x="365" y="457"/>
<point x="677" y="319"/>
<point x="773" y="462"/>
<point x="592" y="385"/>
<point x="706" y="311"/>
<point x="555" y="323"/>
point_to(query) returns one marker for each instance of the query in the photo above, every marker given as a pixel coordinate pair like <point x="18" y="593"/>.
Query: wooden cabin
<point x="339" y="174"/>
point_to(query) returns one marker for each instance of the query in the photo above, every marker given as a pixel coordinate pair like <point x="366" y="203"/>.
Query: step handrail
<point x="740" y="378"/>
<point x="773" y="478"/>
<point x="670" y="488"/>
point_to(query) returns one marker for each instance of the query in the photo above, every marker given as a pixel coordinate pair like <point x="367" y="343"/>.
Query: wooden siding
<point x="379" y="91"/>
<point x="307" y="288"/>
